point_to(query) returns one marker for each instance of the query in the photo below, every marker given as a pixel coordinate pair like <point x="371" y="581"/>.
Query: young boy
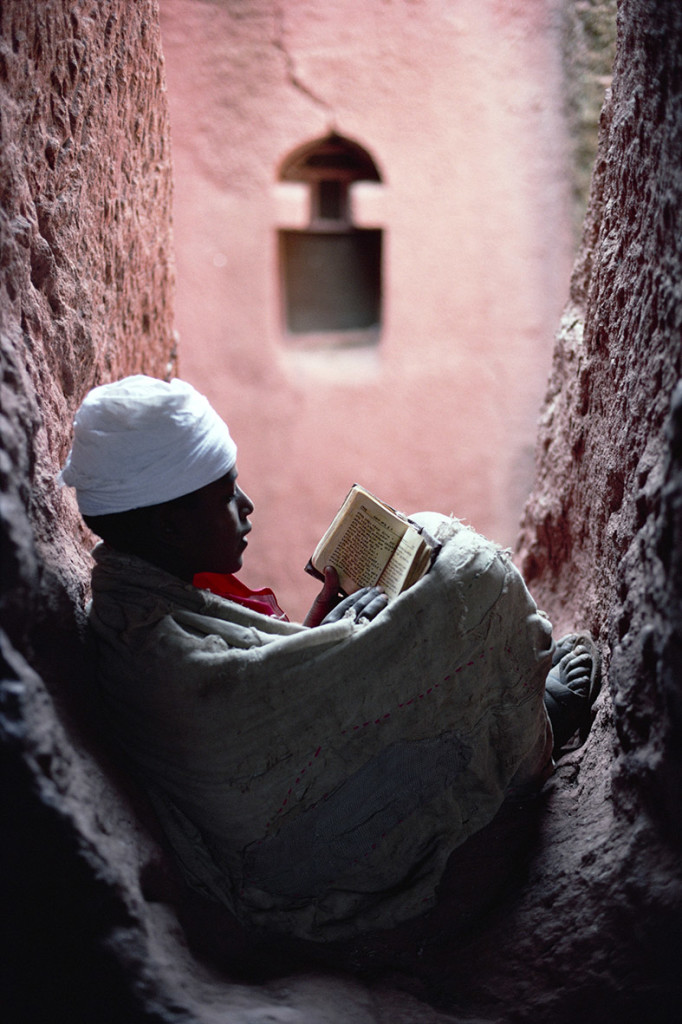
<point x="313" y="780"/>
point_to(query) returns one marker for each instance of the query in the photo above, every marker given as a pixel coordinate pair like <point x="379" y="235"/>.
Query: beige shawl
<point x="316" y="780"/>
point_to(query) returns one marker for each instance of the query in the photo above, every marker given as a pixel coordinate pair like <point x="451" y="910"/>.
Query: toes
<point x="563" y="647"/>
<point x="576" y="671"/>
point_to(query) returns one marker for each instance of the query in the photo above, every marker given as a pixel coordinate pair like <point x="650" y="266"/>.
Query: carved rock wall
<point x="588" y="34"/>
<point x="86" y="247"/>
<point x="85" y="296"/>
<point x="460" y="106"/>
<point x="598" y="540"/>
<point x="601" y="533"/>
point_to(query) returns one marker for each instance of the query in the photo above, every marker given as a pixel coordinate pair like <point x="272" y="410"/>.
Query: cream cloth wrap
<point x="141" y="441"/>
<point x="316" y="780"/>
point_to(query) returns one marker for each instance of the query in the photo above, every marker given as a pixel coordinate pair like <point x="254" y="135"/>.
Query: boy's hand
<point x="329" y="607"/>
<point x="327" y="599"/>
<point x="365" y="604"/>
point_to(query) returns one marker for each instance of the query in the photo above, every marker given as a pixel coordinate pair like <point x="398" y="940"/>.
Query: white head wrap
<point x="140" y="441"/>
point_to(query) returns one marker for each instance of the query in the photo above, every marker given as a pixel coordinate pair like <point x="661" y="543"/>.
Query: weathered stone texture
<point x="85" y="290"/>
<point x="85" y="239"/>
<point x="588" y="33"/>
<point x="600" y="539"/>
<point x="593" y="519"/>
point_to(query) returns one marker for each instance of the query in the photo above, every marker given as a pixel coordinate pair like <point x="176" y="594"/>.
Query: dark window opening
<point x="330" y="196"/>
<point x="332" y="156"/>
<point x="331" y="273"/>
<point x="332" y="280"/>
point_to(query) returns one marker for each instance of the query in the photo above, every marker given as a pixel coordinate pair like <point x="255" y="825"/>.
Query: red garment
<point x="224" y="585"/>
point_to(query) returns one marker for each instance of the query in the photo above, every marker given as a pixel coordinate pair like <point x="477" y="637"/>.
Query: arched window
<point x="330" y="271"/>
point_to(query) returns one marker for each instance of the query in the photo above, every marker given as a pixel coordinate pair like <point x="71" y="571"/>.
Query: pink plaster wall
<point x="459" y="104"/>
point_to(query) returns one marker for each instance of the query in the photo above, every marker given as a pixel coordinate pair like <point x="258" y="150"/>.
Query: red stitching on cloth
<point x="377" y="721"/>
<point x="291" y="789"/>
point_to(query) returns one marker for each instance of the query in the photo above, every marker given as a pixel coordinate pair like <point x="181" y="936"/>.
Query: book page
<point x="396" y="572"/>
<point x="368" y="541"/>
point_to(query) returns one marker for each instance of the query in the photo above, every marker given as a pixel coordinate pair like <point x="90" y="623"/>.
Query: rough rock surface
<point x="85" y="253"/>
<point x="85" y="289"/>
<point x="587" y="924"/>
<point x="600" y="539"/>
<point x="588" y="34"/>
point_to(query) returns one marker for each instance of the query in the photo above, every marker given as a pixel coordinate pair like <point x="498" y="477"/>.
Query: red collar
<point x="224" y="585"/>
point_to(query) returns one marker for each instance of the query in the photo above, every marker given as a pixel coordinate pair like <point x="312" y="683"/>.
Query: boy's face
<point x="211" y="532"/>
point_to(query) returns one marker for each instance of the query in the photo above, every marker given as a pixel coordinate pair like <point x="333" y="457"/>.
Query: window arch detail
<point x="331" y="270"/>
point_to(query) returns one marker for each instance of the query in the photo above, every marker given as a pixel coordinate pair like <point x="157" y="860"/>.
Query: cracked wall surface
<point x="459" y="106"/>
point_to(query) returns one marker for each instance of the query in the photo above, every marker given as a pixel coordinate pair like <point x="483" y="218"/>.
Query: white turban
<point x="141" y="441"/>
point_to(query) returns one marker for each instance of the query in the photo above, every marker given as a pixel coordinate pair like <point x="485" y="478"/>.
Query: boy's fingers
<point x="376" y="605"/>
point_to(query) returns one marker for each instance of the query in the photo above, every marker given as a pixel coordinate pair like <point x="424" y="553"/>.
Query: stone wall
<point x="588" y="35"/>
<point x="598" y="541"/>
<point x="601" y="532"/>
<point x="86" y="251"/>
<point x="460" y="107"/>
<point x="85" y="296"/>
<point x="589" y="927"/>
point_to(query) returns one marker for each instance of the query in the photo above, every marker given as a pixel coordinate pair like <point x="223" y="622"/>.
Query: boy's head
<point x="154" y="468"/>
<point x="141" y="441"/>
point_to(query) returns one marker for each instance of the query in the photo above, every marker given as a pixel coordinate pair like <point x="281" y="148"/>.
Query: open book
<point x="369" y="543"/>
